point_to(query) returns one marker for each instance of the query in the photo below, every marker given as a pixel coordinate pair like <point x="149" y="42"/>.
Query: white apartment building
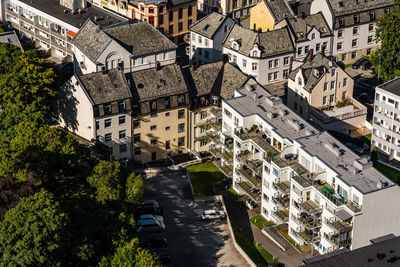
<point x="329" y="197"/>
<point x="132" y="47"/>
<point x="206" y="38"/>
<point x="51" y="25"/>
<point x="353" y="23"/>
<point x="264" y="55"/>
<point x="309" y="33"/>
<point x="89" y="109"/>
<point x="386" y="121"/>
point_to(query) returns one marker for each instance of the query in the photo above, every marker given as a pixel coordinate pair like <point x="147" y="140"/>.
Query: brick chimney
<point x="310" y="55"/>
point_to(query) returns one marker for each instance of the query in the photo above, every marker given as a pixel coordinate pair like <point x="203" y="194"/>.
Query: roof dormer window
<point x="235" y="46"/>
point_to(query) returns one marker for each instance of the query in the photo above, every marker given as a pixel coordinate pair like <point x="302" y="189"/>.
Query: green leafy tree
<point x="32" y="233"/>
<point x="43" y="151"/>
<point x="130" y="255"/>
<point x="134" y="189"/>
<point x="374" y="156"/>
<point x="106" y="180"/>
<point x="386" y="59"/>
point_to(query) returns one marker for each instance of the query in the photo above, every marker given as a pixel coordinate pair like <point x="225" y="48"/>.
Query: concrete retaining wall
<point x="266" y="232"/>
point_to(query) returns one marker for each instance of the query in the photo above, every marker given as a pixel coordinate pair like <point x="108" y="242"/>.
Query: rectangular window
<point x="153" y="127"/>
<point x="369" y="51"/>
<point x="167" y="145"/>
<point x="285" y="61"/>
<point x="136" y="124"/>
<point x="137" y="151"/>
<point x="190" y="11"/>
<point x="325" y="86"/>
<point x="275" y="75"/>
<point x="181" y="113"/>
<point x="254" y="66"/>
<point x="181" y="128"/>
<point x="180" y="26"/>
<point x="344" y="82"/>
<point x="353" y="54"/>
<point x="234" y="59"/>
<point x="107" y="109"/>
<point x="270" y="64"/>
<point x="341" y="22"/>
<point x="181" y="141"/>
<point x="167" y="114"/>
<point x="270" y="76"/>
<point x="370" y="27"/>
<point x="200" y="39"/>
<point x="167" y="128"/>
<point x="370" y="39"/>
<point x="331" y="99"/>
<point x="136" y="138"/>
<point x="122" y="134"/>
<point x="340" y="33"/>
<point x="354" y="42"/>
<point x="107" y="137"/>
<point x="355" y="30"/>
<point x="161" y="19"/>
<point x="244" y="62"/>
<point x="123" y="148"/>
<point x="356" y="19"/>
<point x="324" y="100"/>
<point x="299" y="50"/>
<point x="171" y="29"/>
<point x="285" y="73"/>
<point x="372" y="15"/>
<point x="121" y="120"/>
<point x="344" y="57"/>
<point x="339" y="46"/>
<point x="276" y="63"/>
<point x="180" y="13"/>
<point x="344" y="95"/>
<point x="306" y="48"/>
<point x="333" y="72"/>
<point x="97" y="125"/>
<point x="332" y="85"/>
<point x="203" y="142"/>
<point x="318" y="47"/>
<point x="203" y="115"/>
<point x="107" y="123"/>
<point x="153" y="141"/>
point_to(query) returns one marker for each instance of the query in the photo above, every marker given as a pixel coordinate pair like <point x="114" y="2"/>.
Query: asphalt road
<point x="191" y="242"/>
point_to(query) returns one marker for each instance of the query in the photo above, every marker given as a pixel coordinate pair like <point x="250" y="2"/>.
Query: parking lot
<point x="191" y="242"/>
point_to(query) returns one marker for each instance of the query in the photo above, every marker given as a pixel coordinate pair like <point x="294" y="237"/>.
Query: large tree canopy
<point x="386" y="59"/>
<point x="32" y="233"/>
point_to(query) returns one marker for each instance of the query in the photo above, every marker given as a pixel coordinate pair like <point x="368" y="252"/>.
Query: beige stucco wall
<point x="160" y="134"/>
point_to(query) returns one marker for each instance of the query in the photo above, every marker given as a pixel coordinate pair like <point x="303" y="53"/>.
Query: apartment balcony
<point x="216" y="125"/>
<point x="216" y="152"/>
<point x="202" y="123"/>
<point x="333" y="238"/>
<point x="216" y="112"/>
<point x="225" y="169"/>
<point x="228" y="156"/>
<point x="309" y="222"/>
<point x="308" y="236"/>
<point x="337" y="200"/>
<point x="254" y="194"/>
<point x="281" y="215"/>
<point x="255" y="165"/>
<point x="243" y="156"/>
<point x="256" y="182"/>
<point x="283" y="187"/>
<point x="338" y="225"/>
<point x="241" y="136"/>
<point x="264" y="144"/>
<point x="310" y="207"/>
<point x="228" y="144"/>
<point x="282" y="201"/>
<point x="216" y="139"/>
<point x="302" y="181"/>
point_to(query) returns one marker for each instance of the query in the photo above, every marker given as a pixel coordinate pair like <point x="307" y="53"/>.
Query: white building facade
<point x="386" y="120"/>
<point x="206" y="38"/>
<point x="329" y="197"/>
<point x="353" y="24"/>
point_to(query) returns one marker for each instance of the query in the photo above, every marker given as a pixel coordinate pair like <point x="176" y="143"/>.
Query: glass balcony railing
<point x="308" y="237"/>
<point x="283" y="187"/>
<point x="309" y="222"/>
<point x="255" y="195"/>
<point x="281" y="215"/>
<point x="281" y="201"/>
<point x="252" y="179"/>
<point x="310" y="207"/>
<point x="339" y="225"/>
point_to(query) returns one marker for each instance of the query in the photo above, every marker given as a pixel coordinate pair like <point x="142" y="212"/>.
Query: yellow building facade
<point x="261" y="18"/>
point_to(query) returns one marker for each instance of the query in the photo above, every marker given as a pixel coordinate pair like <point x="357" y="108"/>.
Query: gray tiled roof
<point x="280" y="9"/>
<point x="208" y="25"/>
<point x="319" y="61"/>
<point x="272" y="43"/>
<point x="345" y="7"/>
<point x="10" y="38"/>
<point x="152" y="83"/>
<point x="91" y="40"/>
<point x="104" y="88"/>
<point x="217" y="78"/>
<point x="392" y="86"/>
<point x="54" y="9"/>
<point x="302" y="26"/>
<point x="140" y="38"/>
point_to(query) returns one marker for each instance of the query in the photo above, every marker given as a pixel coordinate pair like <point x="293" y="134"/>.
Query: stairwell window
<point x="254" y="66"/>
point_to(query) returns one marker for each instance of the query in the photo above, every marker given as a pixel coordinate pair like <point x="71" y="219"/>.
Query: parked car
<point x="362" y="63"/>
<point x="212" y="214"/>
<point x="151" y="217"/>
<point x="149" y="207"/>
<point x="156" y="242"/>
<point x="151" y="226"/>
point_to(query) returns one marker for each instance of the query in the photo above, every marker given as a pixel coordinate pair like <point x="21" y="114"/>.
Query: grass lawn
<point x="259" y="255"/>
<point x="203" y="177"/>
<point x="390" y="173"/>
<point x="260" y="222"/>
<point x="231" y="192"/>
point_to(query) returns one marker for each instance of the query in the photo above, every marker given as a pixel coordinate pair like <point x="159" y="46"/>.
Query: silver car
<point x="212" y="214"/>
